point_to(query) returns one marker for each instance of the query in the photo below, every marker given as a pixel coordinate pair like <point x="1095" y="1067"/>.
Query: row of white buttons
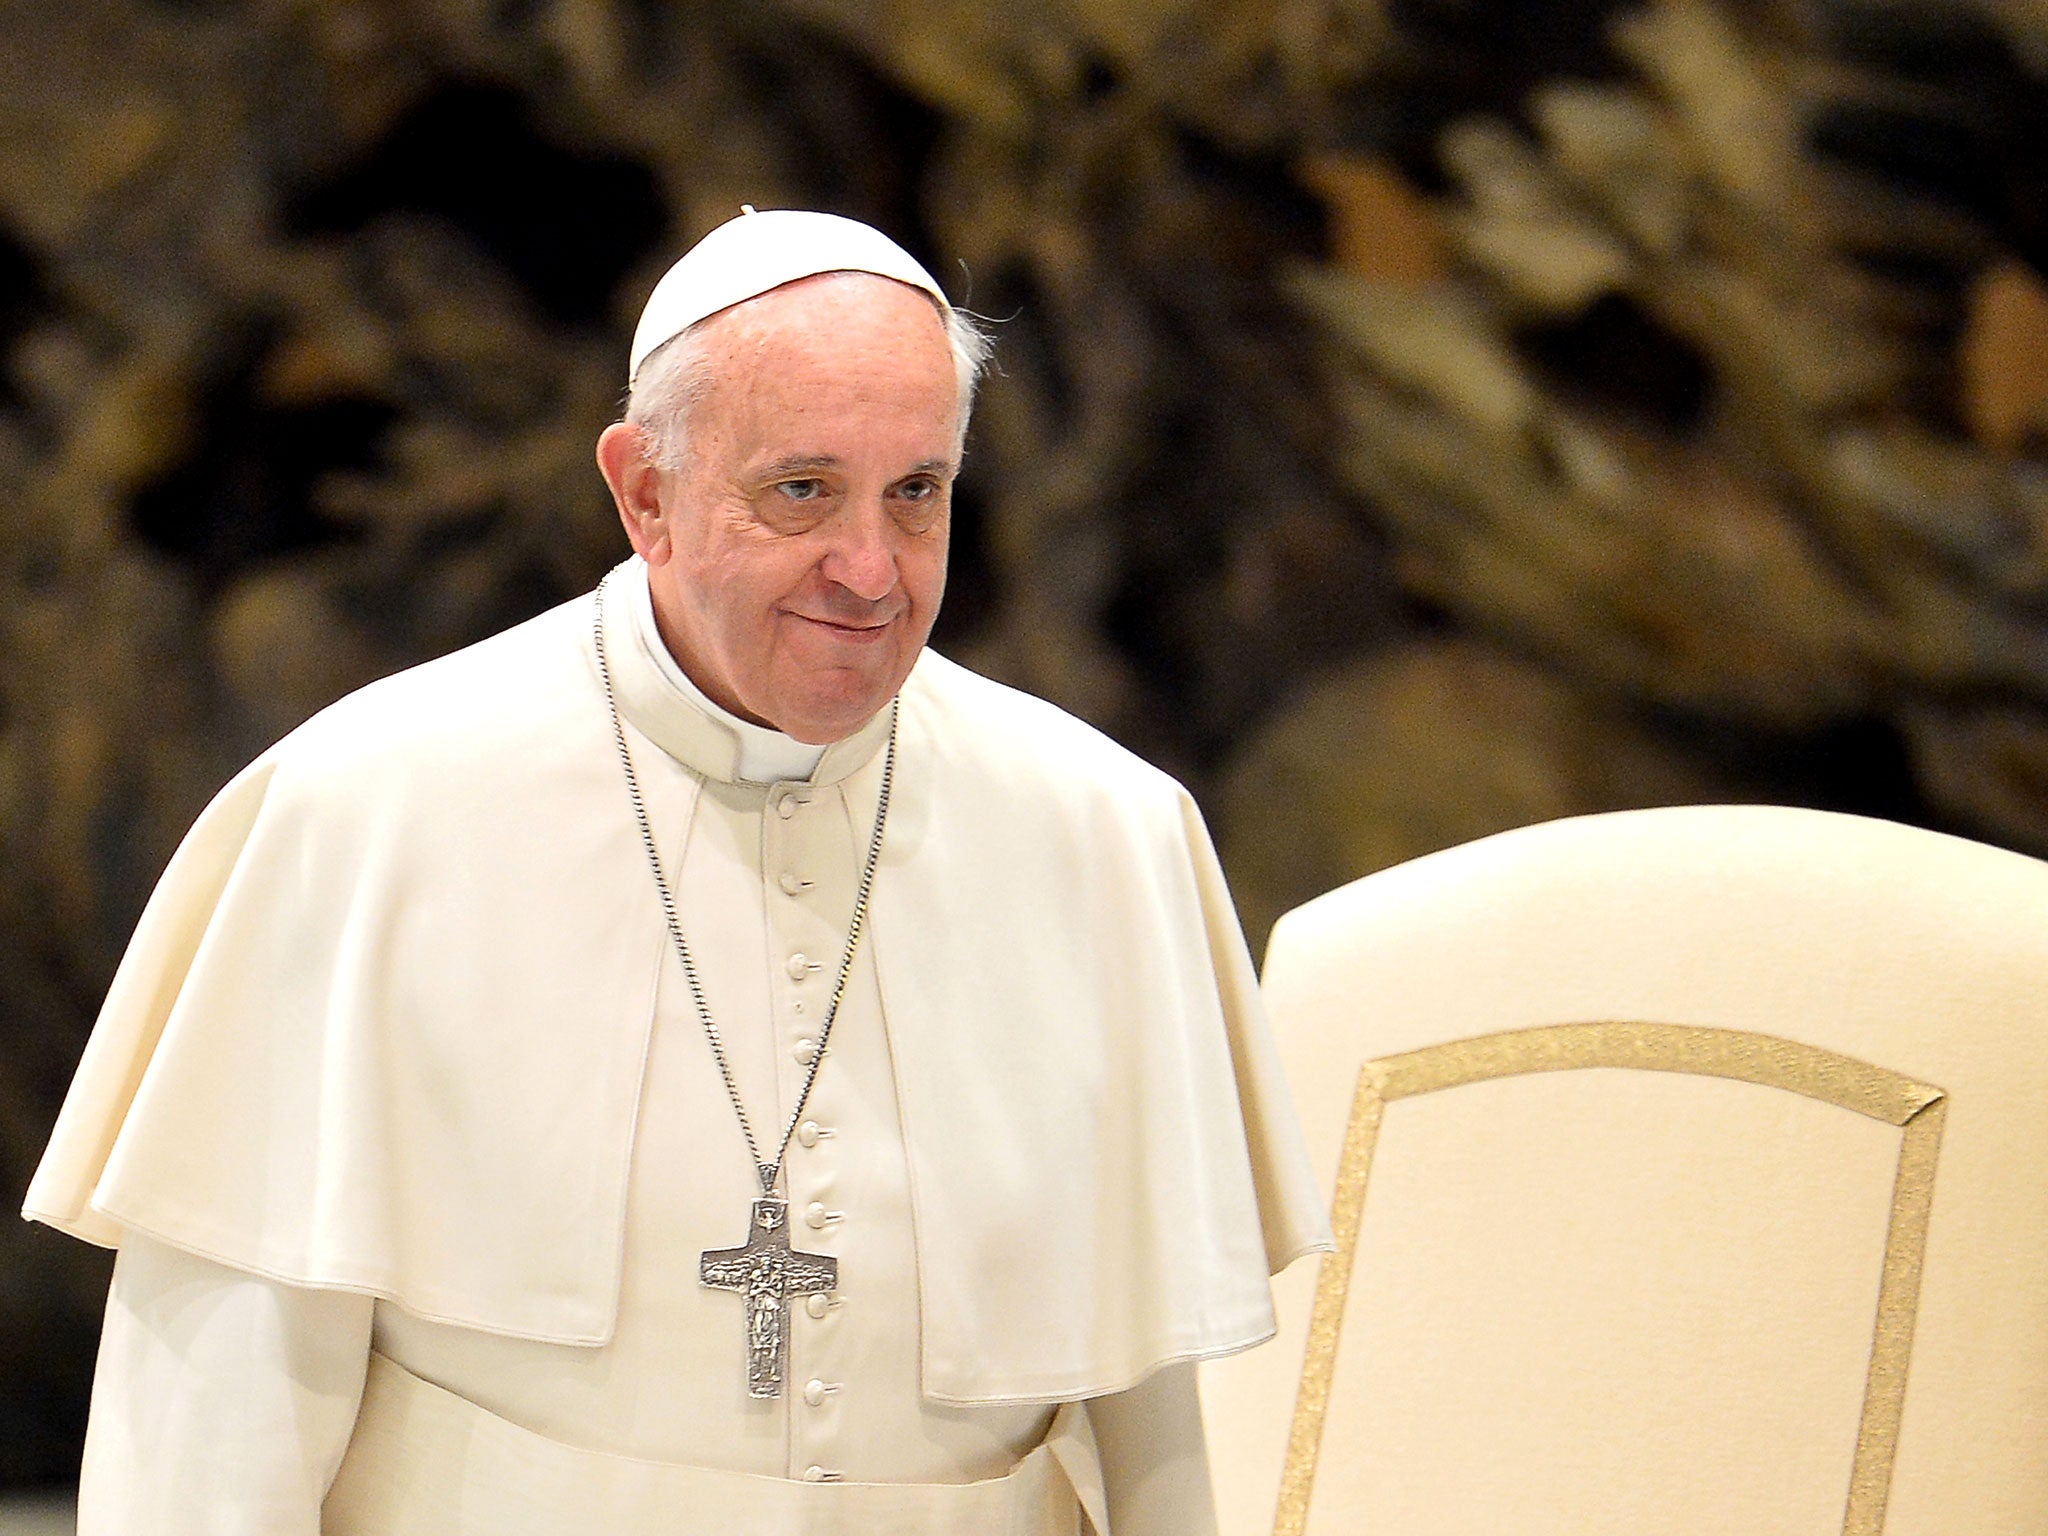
<point x="815" y="1215"/>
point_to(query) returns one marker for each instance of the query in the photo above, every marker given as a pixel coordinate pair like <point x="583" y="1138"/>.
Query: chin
<point x="821" y="721"/>
<point x="821" y="730"/>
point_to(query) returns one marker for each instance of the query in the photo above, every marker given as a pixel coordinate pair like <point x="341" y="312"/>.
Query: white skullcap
<point x="745" y="257"/>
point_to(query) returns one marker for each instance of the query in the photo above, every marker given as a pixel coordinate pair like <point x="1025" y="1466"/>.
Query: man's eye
<point x="918" y="490"/>
<point x="801" y="490"/>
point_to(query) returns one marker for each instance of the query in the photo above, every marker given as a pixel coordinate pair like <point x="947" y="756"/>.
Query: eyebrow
<point x="804" y="463"/>
<point x="798" y="463"/>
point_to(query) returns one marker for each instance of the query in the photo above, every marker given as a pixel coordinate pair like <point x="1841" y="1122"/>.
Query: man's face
<point x="799" y="554"/>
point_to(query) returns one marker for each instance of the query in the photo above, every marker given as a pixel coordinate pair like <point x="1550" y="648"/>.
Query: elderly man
<point x="696" y="1062"/>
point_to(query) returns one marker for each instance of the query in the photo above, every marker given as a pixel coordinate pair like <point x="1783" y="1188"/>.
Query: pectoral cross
<point x="767" y="1271"/>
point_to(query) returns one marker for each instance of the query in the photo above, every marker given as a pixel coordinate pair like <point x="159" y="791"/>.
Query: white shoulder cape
<point x="382" y="1026"/>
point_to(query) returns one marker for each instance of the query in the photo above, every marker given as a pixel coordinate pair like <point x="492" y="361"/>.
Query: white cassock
<point x="411" y="1138"/>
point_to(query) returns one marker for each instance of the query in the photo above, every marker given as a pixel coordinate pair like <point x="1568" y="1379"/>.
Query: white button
<point x="816" y="1304"/>
<point x="785" y="806"/>
<point x="799" y="966"/>
<point x="814" y="1392"/>
<point x="807" y="1133"/>
<point x="815" y="1216"/>
<point x="814" y="1474"/>
<point x="806" y="1050"/>
<point x="790" y="884"/>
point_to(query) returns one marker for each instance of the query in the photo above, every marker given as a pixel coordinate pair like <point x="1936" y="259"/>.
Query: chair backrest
<point x="1689" y="1171"/>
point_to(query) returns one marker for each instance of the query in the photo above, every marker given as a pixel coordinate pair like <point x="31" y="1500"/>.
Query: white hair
<point x="675" y="374"/>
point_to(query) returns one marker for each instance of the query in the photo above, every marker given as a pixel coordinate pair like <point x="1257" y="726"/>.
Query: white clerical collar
<point x="660" y="702"/>
<point x="767" y="756"/>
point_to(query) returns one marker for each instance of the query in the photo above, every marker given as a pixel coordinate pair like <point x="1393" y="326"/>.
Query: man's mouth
<point x="860" y="629"/>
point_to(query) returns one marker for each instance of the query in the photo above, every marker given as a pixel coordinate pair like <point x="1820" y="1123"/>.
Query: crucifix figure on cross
<point x="767" y="1271"/>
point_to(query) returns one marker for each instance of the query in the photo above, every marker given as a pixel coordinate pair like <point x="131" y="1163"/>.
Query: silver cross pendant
<point x="767" y="1271"/>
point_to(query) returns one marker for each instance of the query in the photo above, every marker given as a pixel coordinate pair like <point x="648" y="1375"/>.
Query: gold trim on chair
<point x="1917" y="1108"/>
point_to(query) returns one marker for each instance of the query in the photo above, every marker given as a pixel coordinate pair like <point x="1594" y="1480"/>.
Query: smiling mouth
<point x="850" y="631"/>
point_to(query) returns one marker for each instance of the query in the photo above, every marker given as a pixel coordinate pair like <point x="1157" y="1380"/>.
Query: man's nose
<point x="862" y="558"/>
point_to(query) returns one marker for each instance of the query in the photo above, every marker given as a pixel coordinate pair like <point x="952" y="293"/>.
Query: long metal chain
<point x="769" y="1171"/>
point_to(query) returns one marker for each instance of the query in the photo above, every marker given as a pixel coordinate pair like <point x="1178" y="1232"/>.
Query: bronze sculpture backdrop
<point x="1415" y="418"/>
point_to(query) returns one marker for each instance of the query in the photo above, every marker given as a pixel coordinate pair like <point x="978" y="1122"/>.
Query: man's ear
<point x="635" y="481"/>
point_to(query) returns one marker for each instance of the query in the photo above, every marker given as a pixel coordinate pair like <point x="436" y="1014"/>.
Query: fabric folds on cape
<point x="382" y="1026"/>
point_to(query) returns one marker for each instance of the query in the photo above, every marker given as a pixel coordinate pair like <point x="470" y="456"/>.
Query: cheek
<point x="745" y="584"/>
<point x="761" y="602"/>
<point x="923" y="568"/>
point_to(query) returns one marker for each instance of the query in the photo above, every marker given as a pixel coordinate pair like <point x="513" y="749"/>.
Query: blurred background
<point x="1413" y="417"/>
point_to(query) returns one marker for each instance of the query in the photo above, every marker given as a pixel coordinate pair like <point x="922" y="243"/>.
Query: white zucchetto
<point x="745" y="257"/>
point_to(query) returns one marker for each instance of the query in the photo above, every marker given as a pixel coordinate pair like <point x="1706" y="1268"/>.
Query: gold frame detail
<point x="1918" y="1109"/>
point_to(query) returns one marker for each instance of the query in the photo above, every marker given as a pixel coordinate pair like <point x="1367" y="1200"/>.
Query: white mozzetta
<point x="385" y="1023"/>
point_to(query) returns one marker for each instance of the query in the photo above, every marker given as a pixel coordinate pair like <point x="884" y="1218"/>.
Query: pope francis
<point x="697" y="1061"/>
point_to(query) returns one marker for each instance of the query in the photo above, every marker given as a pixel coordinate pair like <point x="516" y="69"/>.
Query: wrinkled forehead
<point x="758" y="253"/>
<point x="824" y="351"/>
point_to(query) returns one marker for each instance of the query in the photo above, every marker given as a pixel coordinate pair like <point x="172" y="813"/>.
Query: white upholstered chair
<point x="1691" y="1174"/>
